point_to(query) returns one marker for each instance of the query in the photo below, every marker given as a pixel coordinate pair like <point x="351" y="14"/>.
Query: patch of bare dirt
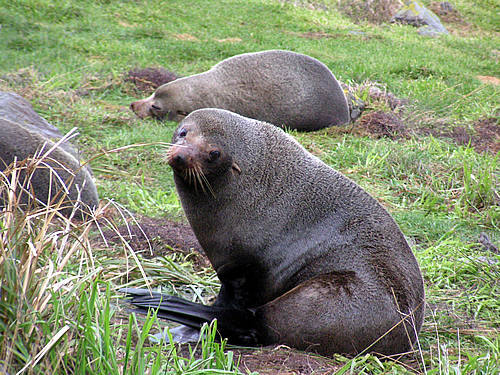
<point x="149" y="79"/>
<point x="380" y="124"/>
<point x="447" y="12"/>
<point x="229" y="40"/>
<point x="188" y="37"/>
<point x="317" y="35"/>
<point x="484" y="136"/>
<point x="285" y="361"/>
<point x="278" y="360"/>
<point x="156" y="237"/>
<point x="489" y="80"/>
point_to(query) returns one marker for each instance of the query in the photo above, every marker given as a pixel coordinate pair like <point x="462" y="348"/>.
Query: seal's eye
<point x="214" y="155"/>
<point x="155" y="107"/>
<point x="182" y="133"/>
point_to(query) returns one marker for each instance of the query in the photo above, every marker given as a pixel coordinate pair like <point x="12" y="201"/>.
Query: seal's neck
<point x="197" y="91"/>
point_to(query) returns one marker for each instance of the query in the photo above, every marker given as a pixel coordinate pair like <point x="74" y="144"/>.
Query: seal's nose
<point x="178" y="158"/>
<point x="178" y="161"/>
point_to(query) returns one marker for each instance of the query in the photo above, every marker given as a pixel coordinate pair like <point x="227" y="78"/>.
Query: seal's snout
<point x="142" y="108"/>
<point x="179" y="158"/>
<point x="138" y="108"/>
<point x="179" y="161"/>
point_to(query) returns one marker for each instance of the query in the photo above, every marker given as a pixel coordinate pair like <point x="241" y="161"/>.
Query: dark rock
<point x="446" y="7"/>
<point x="416" y="14"/>
<point x="23" y="135"/>
<point x="488" y="245"/>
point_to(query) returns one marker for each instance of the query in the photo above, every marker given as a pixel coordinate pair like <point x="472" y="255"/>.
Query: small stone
<point x="446" y="7"/>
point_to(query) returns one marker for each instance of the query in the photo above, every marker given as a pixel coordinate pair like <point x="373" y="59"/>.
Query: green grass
<point x="69" y="59"/>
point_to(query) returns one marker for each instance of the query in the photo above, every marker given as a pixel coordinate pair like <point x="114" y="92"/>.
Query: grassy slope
<point x="53" y="51"/>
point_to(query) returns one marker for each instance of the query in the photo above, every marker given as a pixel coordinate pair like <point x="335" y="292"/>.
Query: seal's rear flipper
<point x="239" y="326"/>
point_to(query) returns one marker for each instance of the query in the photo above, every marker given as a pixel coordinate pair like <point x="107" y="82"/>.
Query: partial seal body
<point x="284" y="88"/>
<point x="59" y="179"/>
<point x="305" y="256"/>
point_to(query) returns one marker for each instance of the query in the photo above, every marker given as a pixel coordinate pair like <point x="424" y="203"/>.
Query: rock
<point x="429" y="31"/>
<point x="488" y="245"/>
<point x="416" y="14"/>
<point x="23" y="134"/>
<point x="446" y="7"/>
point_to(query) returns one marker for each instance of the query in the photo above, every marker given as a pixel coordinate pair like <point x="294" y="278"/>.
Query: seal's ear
<point x="236" y="168"/>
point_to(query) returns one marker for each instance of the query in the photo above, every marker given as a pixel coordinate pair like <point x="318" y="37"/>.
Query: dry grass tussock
<point x="48" y="262"/>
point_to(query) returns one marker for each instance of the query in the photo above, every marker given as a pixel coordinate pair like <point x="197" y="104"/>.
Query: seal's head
<point x="162" y="104"/>
<point x="198" y="156"/>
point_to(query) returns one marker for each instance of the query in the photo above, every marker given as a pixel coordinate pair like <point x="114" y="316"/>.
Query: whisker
<point x="207" y="183"/>
<point x="198" y="176"/>
<point x="195" y="180"/>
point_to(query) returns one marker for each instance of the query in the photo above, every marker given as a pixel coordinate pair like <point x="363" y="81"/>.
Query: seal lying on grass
<point x="282" y="87"/>
<point x="58" y="181"/>
<point x="305" y="256"/>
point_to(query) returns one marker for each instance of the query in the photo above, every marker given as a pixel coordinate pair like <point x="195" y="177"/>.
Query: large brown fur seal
<point x="305" y="256"/>
<point x="284" y="88"/>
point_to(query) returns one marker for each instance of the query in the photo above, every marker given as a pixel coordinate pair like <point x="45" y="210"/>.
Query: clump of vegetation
<point x="374" y="11"/>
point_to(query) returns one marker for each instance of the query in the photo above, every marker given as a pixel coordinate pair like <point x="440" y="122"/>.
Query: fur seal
<point x="45" y="183"/>
<point x="284" y="88"/>
<point x="304" y="255"/>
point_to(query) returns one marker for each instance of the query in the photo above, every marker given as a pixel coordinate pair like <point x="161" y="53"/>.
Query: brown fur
<point x="321" y="263"/>
<point x="19" y="142"/>
<point x="281" y="87"/>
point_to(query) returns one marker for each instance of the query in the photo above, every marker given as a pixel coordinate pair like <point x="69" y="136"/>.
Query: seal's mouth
<point x="157" y="112"/>
<point x="189" y="169"/>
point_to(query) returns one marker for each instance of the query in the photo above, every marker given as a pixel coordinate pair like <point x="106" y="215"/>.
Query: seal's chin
<point x="177" y="116"/>
<point x="157" y="112"/>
